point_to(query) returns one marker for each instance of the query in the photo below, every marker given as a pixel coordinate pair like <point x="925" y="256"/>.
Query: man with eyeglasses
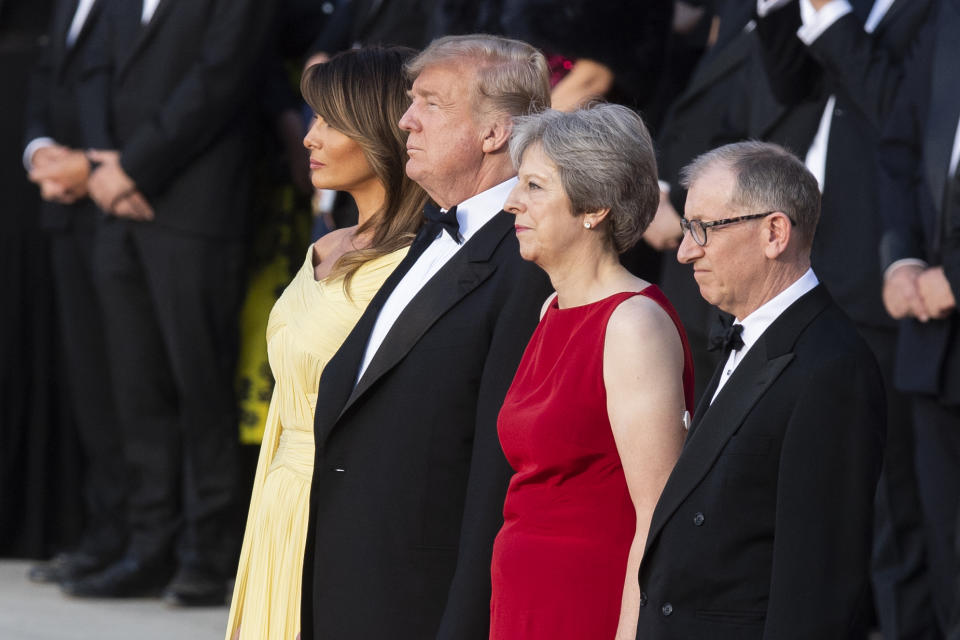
<point x="763" y="529"/>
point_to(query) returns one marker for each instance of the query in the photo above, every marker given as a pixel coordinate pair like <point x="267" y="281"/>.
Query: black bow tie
<point x="726" y="338"/>
<point x="438" y="221"/>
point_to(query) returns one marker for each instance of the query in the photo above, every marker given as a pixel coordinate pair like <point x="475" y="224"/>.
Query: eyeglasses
<point x="698" y="228"/>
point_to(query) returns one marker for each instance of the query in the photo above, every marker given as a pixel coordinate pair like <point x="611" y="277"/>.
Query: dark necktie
<point x="726" y="338"/>
<point x="438" y="221"/>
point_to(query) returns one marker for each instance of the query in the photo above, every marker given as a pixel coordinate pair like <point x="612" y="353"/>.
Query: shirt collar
<point x="757" y="322"/>
<point x="478" y="210"/>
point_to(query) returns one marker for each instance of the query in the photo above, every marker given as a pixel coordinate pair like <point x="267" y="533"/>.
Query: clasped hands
<point x="66" y="175"/>
<point x="919" y="292"/>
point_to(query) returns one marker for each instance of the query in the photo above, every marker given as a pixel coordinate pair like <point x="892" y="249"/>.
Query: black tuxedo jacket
<point x="864" y="71"/>
<point x="763" y="529"/>
<point x="921" y="206"/>
<point x="409" y="478"/>
<point x="52" y="105"/>
<point x="175" y="97"/>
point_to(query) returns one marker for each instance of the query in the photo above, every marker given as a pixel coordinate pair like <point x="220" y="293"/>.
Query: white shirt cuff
<point x="32" y="147"/>
<point x="766" y="6"/>
<point x="903" y="262"/>
<point x="816" y="22"/>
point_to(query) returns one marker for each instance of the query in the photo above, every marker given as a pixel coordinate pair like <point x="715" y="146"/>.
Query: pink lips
<point x="316" y="165"/>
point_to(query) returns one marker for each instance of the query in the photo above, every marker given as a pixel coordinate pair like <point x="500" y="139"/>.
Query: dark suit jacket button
<point x="643" y="599"/>
<point x="667" y="609"/>
<point x="698" y="519"/>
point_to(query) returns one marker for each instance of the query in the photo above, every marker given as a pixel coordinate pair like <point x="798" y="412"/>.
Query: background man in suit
<point x="920" y="203"/>
<point x="763" y="529"/>
<point x="847" y="57"/>
<point x="168" y="91"/>
<point x="53" y="135"/>
<point x="409" y="478"/>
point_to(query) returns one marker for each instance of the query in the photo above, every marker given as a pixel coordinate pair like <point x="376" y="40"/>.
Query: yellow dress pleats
<point x="307" y="325"/>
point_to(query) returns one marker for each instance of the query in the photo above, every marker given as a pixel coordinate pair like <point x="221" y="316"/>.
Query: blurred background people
<point x="919" y="200"/>
<point x="356" y="146"/>
<point x="594" y="419"/>
<point x="58" y="166"/>
<point x="167" y="99"/>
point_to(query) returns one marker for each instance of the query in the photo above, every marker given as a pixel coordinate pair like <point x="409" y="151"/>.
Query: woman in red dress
<point x="594" y="420"/>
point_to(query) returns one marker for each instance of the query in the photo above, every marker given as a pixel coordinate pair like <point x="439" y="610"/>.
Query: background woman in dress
<point x="594" y="420"/>
<point x="355" y="146"/>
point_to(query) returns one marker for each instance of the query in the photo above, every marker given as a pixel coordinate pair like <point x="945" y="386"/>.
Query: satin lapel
<point x="944" y="102"/>
<point x="759" y="369"/>
<point x="62" y="18"/>
<point x="704" y="403"/>
<point x="468" y="268"/>
<point x="145" y="32"/>
<point x="337" y="380"/>
<point x="889" y="16"/>
<point x="85" y="30"/>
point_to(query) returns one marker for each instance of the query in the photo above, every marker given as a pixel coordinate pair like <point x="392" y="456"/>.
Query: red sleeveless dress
<point x="560" y="559"/>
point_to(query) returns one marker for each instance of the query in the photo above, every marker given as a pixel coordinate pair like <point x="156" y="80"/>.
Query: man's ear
<point x="777" y="231"/>
<point x="496" y="133"/>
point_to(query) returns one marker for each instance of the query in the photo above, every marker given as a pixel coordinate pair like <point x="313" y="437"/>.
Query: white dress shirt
<point x="814" y="24"/>
<point x="955" y="156"/>
<point x="760" y="320"/>
<point x="79" y="19"/>
<point x="149" y="7"/>
<point x="472" y="213"/>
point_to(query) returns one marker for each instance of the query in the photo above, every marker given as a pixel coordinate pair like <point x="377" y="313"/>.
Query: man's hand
<point x="664" y="232"/>
<point x="134" y="207"/>
<point x="901" y="296"/>
<point x="934" y="289"/>
<point x="62" y="175"/>
<point x="46" y="155"/>
<point x="109" y="183"/>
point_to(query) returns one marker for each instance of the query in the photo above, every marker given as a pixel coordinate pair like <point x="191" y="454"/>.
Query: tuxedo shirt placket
<point x="472" y="214"/>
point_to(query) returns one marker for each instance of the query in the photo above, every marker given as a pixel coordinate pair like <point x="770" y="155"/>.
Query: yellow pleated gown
<point x="307" y="325"/>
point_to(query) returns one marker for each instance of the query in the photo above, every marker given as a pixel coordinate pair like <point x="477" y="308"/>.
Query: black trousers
<point x="938" y="465"/>
<point x="87" y="375"/>
<point x="171" y="301"/>
<point x="900" y="575"/>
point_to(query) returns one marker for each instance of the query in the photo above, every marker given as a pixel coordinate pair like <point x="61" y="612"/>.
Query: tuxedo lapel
<point x="62" y="18"/>
<point x="718" y="422"/>
<point x="70" y="51"/>
<point x="146" y="31"/>
<point x="465" y="271"/>
<point x="716" y="65"/>
<point x="340" y="373"/>
<point x="889" y="16"/>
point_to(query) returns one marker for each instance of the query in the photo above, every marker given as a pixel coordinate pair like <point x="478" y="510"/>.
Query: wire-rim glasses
<point x="698" y="228"/>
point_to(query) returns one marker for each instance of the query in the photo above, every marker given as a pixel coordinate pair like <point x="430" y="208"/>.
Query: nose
<point x="688" y="251"/>
<point x="407" y="121"/>
<point x="312" y="139"/>
<point x="513" y="204"/>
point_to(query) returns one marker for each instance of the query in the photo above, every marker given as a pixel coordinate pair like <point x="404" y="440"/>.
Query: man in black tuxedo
<point x="920" y="202"/>
<point x="763" y="529"/>
<point x="168" y="97"/>
<point x="409" y="478"/>
<point x="53" y="135"/>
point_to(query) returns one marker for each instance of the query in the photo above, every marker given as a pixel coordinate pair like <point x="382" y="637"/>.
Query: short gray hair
<point x="769" y="178"/>
<point x="605" y="159"/>
<point x="512" y="76"/>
